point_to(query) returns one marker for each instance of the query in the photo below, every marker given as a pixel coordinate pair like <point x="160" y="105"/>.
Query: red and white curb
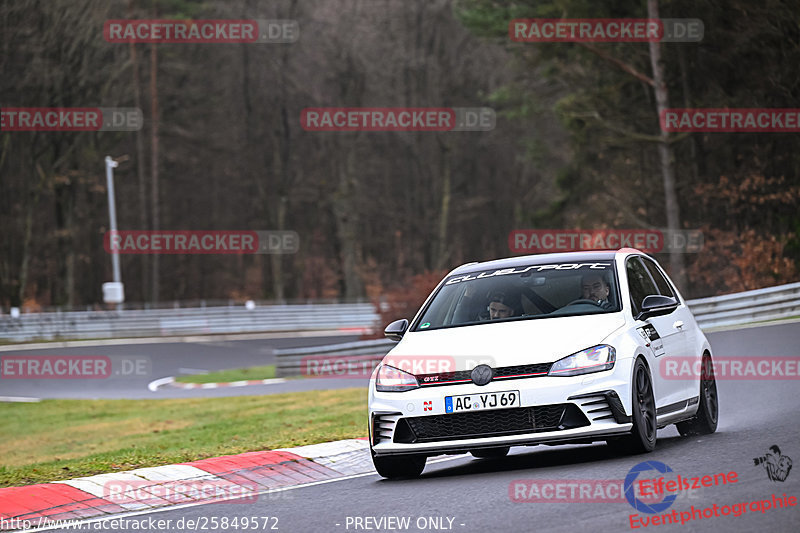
<point x="348" y="457"/>
<point x="229" y="478"/>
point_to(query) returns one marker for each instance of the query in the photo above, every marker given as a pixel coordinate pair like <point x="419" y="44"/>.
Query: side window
<point x="663" y="285"/>
<point x="639" y="282"/>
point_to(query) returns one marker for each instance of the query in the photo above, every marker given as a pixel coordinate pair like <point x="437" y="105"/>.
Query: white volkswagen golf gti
<point x="542" y="349"/>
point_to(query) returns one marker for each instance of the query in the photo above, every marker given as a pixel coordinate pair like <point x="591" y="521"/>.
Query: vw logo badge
<point x="482" y="374"/>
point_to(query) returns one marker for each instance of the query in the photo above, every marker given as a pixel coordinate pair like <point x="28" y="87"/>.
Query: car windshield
<point x="523" y="292"/>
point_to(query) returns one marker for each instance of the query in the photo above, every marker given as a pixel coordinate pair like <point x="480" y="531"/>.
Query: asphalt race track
<point x="470" y="495"/>
<point x="169" y="359"/>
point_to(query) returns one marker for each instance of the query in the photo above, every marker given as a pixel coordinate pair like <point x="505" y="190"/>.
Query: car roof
<point x="564" y="257"/>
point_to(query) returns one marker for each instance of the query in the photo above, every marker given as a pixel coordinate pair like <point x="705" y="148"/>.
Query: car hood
<point x="505" y="343"/>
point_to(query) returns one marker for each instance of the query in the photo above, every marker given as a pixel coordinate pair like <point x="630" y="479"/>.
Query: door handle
<point x="678" y="324"/>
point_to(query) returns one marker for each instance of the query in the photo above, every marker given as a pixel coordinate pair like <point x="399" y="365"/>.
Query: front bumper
<point x="553" y="410"/>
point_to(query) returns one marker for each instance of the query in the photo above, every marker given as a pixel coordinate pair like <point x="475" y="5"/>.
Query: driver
<point x="594" y="287"/>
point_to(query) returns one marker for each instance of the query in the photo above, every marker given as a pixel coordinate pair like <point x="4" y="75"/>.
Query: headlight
<point x="391" y="379"/>
<point x="594" y="359"/>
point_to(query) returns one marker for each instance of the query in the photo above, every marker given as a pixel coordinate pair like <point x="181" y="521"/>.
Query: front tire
<point x="705" y="422"/>
<point x="642" y="438"/>
<point x="399" y="466"/>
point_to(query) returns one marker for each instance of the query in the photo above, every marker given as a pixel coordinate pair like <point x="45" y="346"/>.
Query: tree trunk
<point x="155" y="224"/>
<point x="28" y="236"/>
<point x="346" y="216"/>
<point x="26" y="252"/>
<point x="284" y="167"/>
<point x="442" y="248"/>
<point x="65" y="198"/>
<point x="281" y="166"/>
<point x="140" y="162"/>
<point x="276" y="260"/>
<point x="666" y="153"/>
<point x="687" y="102"/>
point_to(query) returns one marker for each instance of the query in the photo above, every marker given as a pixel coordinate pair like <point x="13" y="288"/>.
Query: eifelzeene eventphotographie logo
<point x="776" y="464"/>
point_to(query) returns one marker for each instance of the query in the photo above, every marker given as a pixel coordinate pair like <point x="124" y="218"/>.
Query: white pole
<point x="112" y="215"/>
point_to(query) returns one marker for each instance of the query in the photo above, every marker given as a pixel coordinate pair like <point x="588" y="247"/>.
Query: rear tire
<point x="705" y="422"/>
<point x="642" y="438"/>
<point x="490" y="453"/>
<point x="399" y="466"/>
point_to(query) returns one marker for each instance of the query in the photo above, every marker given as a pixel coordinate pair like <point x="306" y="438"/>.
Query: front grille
<point x="498" y="422"/>
<point x="521" y="370"/>
<point x="503" y="372"/>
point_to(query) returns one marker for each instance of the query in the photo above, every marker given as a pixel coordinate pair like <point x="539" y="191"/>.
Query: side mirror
<point x="396" y="329"/>
<point x="657" y="305"/>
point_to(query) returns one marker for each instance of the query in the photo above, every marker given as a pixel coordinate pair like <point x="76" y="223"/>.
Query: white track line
<point x="20" y="399"/>
<point x="155" y="384"/>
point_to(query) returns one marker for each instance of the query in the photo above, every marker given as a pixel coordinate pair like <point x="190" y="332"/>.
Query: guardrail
<point x="187" y="321"/>
<point x="728" y="310"/>
<point x="290" y="362"/>
<point x="746" y="307"/>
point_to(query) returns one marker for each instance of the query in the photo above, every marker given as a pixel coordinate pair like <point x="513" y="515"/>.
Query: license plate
<point x="481" y="402"/>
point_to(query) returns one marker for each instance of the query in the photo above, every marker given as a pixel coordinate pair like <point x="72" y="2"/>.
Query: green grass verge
<point x="61" y="439"/>
<point x="235" y="374"/>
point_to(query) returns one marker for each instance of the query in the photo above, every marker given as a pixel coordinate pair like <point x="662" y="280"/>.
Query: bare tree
<point x="665" y="152"/>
